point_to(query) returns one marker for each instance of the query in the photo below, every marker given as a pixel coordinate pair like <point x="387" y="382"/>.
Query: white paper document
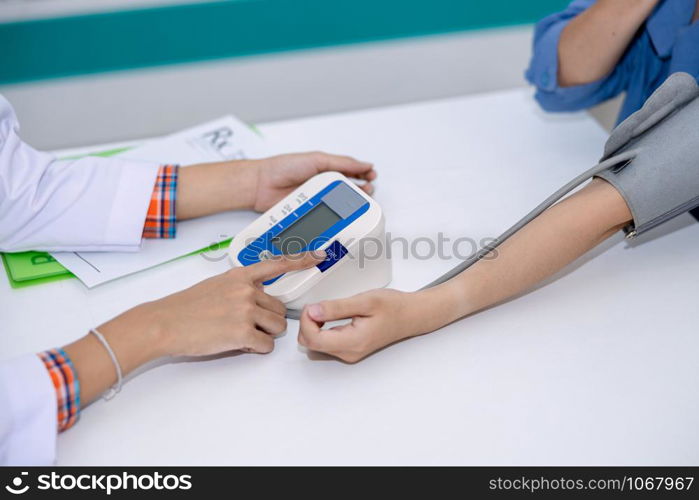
<point x="223" y="139"/>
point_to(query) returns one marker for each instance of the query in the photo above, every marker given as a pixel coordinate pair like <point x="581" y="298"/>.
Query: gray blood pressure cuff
<point x="661" y="181"/>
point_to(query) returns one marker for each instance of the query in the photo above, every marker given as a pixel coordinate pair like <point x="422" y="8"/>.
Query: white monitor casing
<point x="365" y="266"/>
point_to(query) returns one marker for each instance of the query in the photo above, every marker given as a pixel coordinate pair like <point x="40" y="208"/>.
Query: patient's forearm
<point x="544" y="246"/>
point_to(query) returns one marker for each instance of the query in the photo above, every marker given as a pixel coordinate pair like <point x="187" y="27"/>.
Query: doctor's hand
<point x="224" y="313"/>
<point x="279" y="175"/>
<point x="258" y="184"/>
<point x="379" y="318"/>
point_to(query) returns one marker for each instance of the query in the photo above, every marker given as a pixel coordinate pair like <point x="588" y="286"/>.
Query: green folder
<point x="34" y="268"/>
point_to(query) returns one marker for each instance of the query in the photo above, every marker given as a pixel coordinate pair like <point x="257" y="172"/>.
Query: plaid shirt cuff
<point x="65" y="382"/>
<point x="161" y="217"/>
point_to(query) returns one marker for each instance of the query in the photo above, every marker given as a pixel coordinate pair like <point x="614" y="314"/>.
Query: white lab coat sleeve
<point x="28" y="413"/>
<point x="87" y="204"/>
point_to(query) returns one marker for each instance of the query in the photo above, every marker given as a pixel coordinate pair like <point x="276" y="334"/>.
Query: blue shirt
<point x="668" y="42"/>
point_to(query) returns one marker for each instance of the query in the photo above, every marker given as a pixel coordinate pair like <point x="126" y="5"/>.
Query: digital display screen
<point x="311" y="225"/>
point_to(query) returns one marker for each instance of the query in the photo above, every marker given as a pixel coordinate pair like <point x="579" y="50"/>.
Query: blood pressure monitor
<point x="327" y="212"/>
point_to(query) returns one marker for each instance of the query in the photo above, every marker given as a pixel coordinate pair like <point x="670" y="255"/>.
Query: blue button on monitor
<point x="334" y="252"/>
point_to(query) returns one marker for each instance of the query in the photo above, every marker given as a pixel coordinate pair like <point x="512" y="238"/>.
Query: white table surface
<point x="598" y="367"/>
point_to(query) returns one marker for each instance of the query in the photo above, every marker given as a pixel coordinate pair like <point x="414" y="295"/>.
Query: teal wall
<point x="67" y="46"/>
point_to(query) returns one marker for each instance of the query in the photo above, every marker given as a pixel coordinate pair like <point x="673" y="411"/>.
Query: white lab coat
<point x="28" y="413"/>
<point x="89" y="204"/>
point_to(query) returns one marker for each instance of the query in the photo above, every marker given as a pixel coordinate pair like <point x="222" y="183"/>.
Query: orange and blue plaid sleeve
<point x="161" y="218"/>
<point x="65" y="382"/>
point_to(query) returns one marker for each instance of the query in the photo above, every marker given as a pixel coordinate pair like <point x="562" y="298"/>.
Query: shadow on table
<point x="180" y="359"/>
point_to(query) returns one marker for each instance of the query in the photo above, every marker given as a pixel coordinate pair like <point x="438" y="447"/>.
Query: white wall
<point x="132" y="104"/>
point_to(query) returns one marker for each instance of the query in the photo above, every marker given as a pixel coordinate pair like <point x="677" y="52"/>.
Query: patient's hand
<point x="379" y="318"/>
<point x="279" y="175"/>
